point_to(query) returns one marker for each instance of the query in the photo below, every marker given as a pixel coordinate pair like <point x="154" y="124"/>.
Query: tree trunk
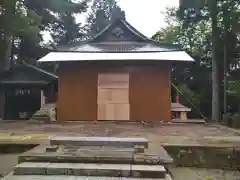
<point x="215" y="77"/>
<point x="225" y="97"/>
<point x="7" y="39"/>
<point x="225" y="67"/>
<point x="6" y="62"/>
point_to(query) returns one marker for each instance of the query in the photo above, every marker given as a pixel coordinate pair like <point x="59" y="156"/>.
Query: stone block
<point x="110" y="170"/>
<point x="60" y="169"/>
<point x="100" y="141"/>
<point x="28" y="168"/>
<point x="148" y="171"/>
<point x="139" y="149"/>
<point x="81" y="169"/>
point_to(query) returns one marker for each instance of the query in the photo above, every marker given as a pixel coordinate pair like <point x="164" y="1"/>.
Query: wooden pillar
<point x="177" y="114"/>
<point x="43" y="99"/>
<point x="2" y="102"/>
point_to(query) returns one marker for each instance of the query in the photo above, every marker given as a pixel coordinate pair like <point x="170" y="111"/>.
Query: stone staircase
<point x="95" y="158"/>
<point x="45" y="114"/>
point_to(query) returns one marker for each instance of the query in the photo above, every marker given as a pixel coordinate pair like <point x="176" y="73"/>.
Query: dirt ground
<point x="154" y="132"/>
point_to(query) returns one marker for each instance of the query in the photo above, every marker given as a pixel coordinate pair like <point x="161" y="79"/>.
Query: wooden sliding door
<point x="113" y="96"/>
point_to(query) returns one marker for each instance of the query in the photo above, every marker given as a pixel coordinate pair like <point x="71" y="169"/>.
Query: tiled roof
<point x="117" y="47"/>
<point x="25" y="74"/>
<point x="119" y="36"/>
<point x="118" y="41"/>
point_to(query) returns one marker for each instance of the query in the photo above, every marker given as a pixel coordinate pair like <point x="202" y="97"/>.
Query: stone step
<point x="100" y="150"/>
<point x="45" y="113"/>
<point x="53" y="157"/>
<point x="100" y="141"/>
<point x="81" y="169"/>
<point x="40" y="117"/>
<point x="39" y="177"/>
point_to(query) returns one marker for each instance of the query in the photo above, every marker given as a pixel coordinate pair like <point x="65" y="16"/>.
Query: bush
<point x="236" y="121"/>
<point x="227" y="119"/>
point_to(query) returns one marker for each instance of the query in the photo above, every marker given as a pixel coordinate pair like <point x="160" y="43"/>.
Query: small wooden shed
<point x="22" y="91"/>
<point x="118" y="75"/>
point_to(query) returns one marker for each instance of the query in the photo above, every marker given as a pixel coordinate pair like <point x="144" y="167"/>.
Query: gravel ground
<point x="113" y="129"/>
<point x="203" y="174"/>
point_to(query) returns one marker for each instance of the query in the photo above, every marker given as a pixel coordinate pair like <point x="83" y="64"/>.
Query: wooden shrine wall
<point x="92" y="93"/>
<point x="150" y="95"/>
<point x="77" y="94"/>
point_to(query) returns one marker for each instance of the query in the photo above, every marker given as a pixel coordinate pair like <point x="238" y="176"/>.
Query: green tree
<point x="234" y="91"/>
<point x="195" y="38"/>
<point x="103" y="12"/>
<point x="223" y="19"/>
<point x="66" y="30"/>
<point x="58" y="18"/>
<point x="16" y="21"/>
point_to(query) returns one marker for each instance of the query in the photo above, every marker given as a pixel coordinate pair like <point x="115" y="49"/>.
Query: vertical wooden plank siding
<point x="150" y="95"/>
<point x="77" y="94"/>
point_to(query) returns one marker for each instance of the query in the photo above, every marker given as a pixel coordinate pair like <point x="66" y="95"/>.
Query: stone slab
<point x="97" y="151"/>
<point x="189" y="121"/>
<point x="92" y="149"/>
<point x="81" y="169"/>
<point x="76" y="158"/>
<point x="156" y="157"/>
<point x="77" y="169"/>
<point x="99" y="141"/>
<point x="31" y="168"/>
<point x="101" y="170"/>
<point x="37" y="177"/>
<point x="146" y="171"/>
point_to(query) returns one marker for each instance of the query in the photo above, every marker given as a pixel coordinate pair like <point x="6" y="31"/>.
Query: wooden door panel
<point x="120" y="95"/>
<point x="113" y="96"/>
<point x="104" y="95"/>
<point x="113" y="80"/>
<point x="110" y="112"/>
<point x="121" y="112"/>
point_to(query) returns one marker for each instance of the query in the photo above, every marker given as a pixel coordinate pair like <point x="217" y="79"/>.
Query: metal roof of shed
<point x="90" y="56"/>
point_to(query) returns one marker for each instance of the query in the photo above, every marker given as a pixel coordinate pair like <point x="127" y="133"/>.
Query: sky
<point x="145" y="15"/>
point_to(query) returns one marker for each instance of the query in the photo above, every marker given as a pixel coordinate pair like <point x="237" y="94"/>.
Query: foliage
<point x="22" y="23"/>
<point x="16" y="21"/>
<point x="189" y="94"/>
<point x="195" y="38"/>
<point x="103" y="12"/>
<point x="236" y="121"/>
<point x="234" y="89"/>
